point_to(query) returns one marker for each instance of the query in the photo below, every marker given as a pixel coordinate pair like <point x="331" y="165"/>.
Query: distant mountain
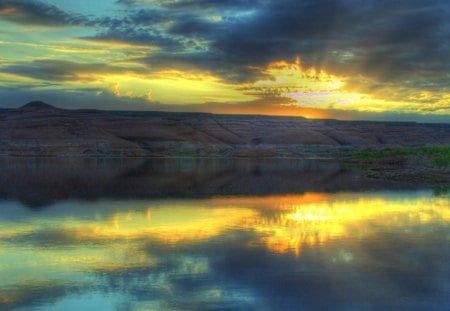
<point x="41" y="129"/>
<point x="37" y="106"/>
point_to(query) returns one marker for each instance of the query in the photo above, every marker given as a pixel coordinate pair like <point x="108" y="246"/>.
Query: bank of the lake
<point x="421" y="165"/>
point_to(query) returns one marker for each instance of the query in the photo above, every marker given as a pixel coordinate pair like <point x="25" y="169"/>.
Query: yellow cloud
<point x="7" y="10"/>
<point x="317" y="88"/>
<point x="172" y="87"/>
<point x="116" y="44"/>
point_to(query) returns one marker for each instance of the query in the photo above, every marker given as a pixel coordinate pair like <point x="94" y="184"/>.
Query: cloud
<point x="282" y="106"/>
<point x="386" y="41"/>
<point x="37" y="13"/>
<point x="99" y="98"/>
<point x="60" y="70"/>
<point x="84" y="98"/>
<point x="387" y="50"/>
<point x="219" y="4"/>
<point x="135" y="37"/>
<point x="126" y="2"/>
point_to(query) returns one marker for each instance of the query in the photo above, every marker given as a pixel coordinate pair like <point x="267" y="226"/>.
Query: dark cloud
<point x="218" y="4"/>
<point x="148" y="16"/>
<point x="190" y="25"/>
<point x="137" y="37"/>
<point x="88" y="98"/>
<point x="394" y="44"/>
<point x="96" y="98"/>
<point x="202" y="60"/>
<point x="388" y="41"/>
<point x="195" y="4"/>
<point x="126" y="2"/>
<point x="384" y="40"/>
<point x="141" y="27"/>
<point x="59" y="70"/>
<point x="38" y="13"/>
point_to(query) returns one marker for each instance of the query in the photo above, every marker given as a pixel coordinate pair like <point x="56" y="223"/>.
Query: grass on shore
<point x="439" y="155"/>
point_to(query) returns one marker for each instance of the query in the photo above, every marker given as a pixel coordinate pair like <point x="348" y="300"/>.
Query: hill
<point x="39" y="129"/>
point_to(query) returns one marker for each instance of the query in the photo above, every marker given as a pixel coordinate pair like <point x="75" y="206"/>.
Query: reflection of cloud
<point x="312" y="218"/>
<point x="309" y="224"/>
<point x="230" y="252"/>
<point x="185" y="223"/>
<point x="32" y="293"/>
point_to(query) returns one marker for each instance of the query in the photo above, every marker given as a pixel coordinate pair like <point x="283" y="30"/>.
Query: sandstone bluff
<point x="39" y="129"/>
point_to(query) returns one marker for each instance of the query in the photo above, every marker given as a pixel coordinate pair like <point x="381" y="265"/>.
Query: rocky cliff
<point x="41" y="129"/>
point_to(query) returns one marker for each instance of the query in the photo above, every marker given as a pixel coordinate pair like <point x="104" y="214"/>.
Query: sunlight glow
<point x="311" y="224"/>
<point x="73" y="243"/>
<point x="316" y="88"/>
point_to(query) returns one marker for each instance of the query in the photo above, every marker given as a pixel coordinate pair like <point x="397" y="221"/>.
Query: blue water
<point x="128" y="248"/>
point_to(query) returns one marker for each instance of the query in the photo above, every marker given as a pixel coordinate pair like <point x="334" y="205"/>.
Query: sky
<point x="343" y="59"/>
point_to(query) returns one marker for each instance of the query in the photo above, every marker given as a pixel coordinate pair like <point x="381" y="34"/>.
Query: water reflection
<point x="39" y="182"/>
<point x="312" y="251"/>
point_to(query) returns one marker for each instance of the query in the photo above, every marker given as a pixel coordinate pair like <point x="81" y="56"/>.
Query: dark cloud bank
<point x="393" y="43"/>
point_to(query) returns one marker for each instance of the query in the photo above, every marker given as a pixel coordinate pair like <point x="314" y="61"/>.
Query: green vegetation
<point x="439" y="156"/>
<point x="442" y="191"/>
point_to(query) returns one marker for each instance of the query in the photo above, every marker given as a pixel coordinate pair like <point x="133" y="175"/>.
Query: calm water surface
<point x="199" y="236"/>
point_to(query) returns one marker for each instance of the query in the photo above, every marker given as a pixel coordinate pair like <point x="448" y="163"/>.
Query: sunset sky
<point x="344" y="59"/>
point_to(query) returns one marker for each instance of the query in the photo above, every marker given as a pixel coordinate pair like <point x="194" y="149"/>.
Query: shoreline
<point x="416" y="166"/>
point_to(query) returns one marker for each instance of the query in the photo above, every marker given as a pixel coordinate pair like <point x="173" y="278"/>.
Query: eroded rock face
<point x="40" y="129"/>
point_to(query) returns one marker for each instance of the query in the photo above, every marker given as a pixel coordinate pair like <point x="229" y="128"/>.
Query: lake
<point x="217" y="234"/>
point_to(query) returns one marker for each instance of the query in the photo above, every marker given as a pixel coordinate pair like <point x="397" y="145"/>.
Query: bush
<point x="439" y="155"/>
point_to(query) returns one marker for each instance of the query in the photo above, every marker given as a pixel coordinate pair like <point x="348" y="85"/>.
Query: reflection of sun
<point x="170" y="225"/>
<point x="6" y="299"/>
<point x="283" y="224"/>
<point x="311" y="224"/>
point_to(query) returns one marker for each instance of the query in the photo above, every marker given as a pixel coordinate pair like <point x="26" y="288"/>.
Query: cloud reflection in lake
<point x="317" y="250"/>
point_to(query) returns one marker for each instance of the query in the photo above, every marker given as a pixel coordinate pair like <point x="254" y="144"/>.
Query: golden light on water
<point x="177" y="225"/>
<point x="316" y="223"/>
<point x="284" y="223"/>
<point x="70" y="241"/>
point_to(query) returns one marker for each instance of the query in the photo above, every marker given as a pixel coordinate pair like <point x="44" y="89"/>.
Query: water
<point x="217" y="235"/>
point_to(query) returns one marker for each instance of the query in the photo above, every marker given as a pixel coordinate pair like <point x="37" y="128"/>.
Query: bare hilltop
<point x="39" y="129"/>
